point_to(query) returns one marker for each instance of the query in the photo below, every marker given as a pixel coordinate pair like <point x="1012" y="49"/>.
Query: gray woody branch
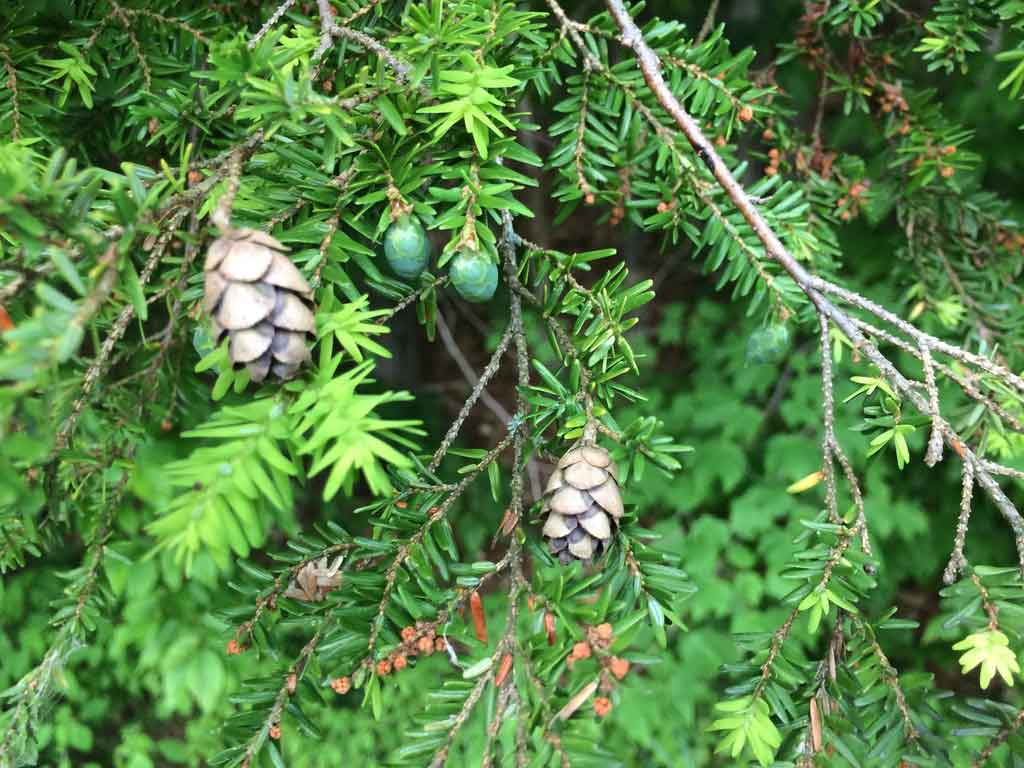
<point x="819" y="290"/>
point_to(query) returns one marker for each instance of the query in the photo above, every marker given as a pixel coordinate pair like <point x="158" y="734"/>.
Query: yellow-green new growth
<point x="991" y="650"/>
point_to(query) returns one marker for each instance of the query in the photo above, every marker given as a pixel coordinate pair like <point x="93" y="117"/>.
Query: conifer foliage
<point x="215" y="217"/>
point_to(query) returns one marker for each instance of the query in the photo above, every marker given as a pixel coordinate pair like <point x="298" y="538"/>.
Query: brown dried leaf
<point x="577" y="701"/>
<point x="476" y="608"/>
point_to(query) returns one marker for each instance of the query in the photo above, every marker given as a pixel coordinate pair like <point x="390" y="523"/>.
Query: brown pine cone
<point x="257" y="297"/>
<point x="583" y="503"/>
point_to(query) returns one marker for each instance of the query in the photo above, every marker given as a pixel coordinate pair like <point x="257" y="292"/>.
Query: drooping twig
<point x="12" y="86"/>
<point x="987" y="603"/>
<point x="329" y="30"/>
<point x="829" y="421"/>
<point x="958" y="560"/>
<point x="709" y="22"/>
<point x="37" y="685"/>
<point x="117" y="330"/>
<point x="831" y="449"/>
<point x="511" y="267"/>
<point x="890" y="676"/>
<point x="221" y="216"/>
<point x="835" y="557"/>
<point x="934" y="453"/>
<point x="581" y="132"/>
<point x="284" y="694"/>
<point x="436" y="514"/>
<point x="479" y="391"/>
<point x="999" y="739"/>
<point x="275" y="17"/>
<point x="124" y="17"/>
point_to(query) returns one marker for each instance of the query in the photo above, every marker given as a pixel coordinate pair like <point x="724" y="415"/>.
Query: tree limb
<point x="816" y="288"/>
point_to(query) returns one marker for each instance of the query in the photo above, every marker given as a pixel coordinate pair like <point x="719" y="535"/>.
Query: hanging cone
<point x="583" y="503"/>
<point x="257" y="298"/>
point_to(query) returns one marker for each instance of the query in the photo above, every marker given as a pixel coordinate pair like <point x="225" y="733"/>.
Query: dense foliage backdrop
<point x="155" y="505"/>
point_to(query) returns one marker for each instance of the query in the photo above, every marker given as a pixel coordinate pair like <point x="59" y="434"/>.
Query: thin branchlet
<point x="998" y="740"/>
<point x="478" y="393"/>
<point x="12" y="86"/>
<point x="275" y="17"/>
<point x="829" y="421"/>
<point x="958" y="560"/>
<point x="434" y="515"/>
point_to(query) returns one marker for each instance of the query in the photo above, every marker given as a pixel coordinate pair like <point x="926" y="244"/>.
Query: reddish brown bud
<point x="425" y="646"/>
<point x="549" y="627"/>
<point x="602" y="706"/>
<point x="166" y="425"/>
<point x="618" y="667"/>
<point x="194" y="177"/>
<point x="604" y="631"/>
<point x="383" y="667"/>
<point x="234" y="648"/>
<point x="400" y="663"/>
<point x="341" y="685"/>
<point x="746" y="115"/>
<point x="275" y="731"/>
<point x="581" y="651"/>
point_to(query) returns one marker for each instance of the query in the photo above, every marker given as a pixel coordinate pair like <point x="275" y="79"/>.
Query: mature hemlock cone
<point x="583" y="503"/>
<point x="257" y="297"/>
